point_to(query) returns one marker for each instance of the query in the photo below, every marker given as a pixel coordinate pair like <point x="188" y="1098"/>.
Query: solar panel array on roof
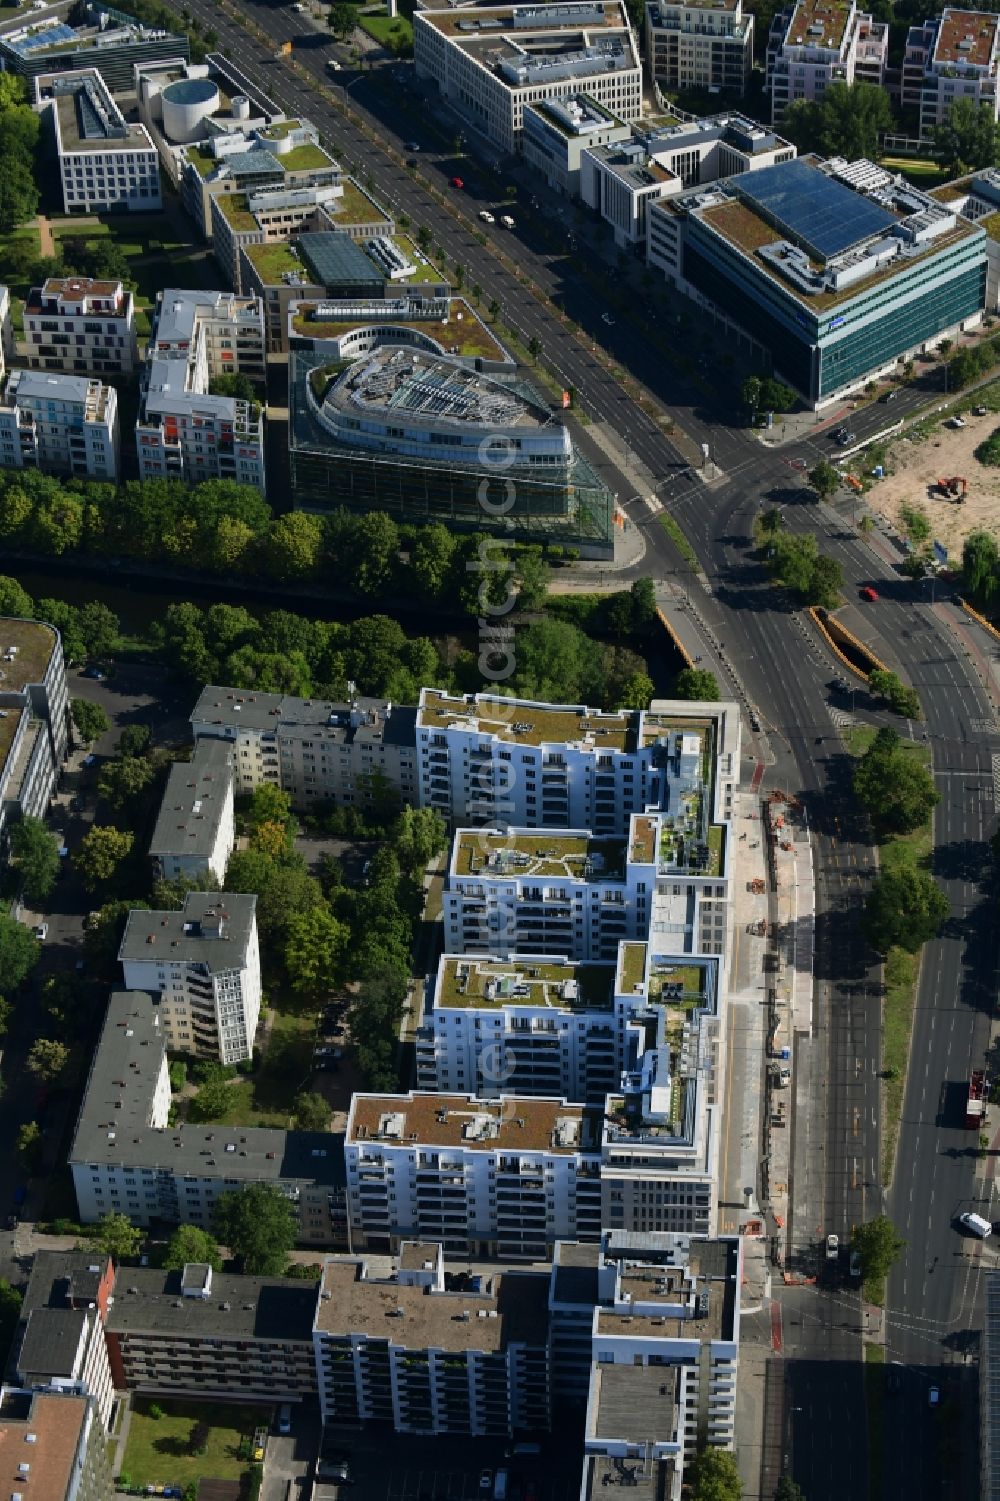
<point x="820" y="214"/>
<point x="49" y="36"/>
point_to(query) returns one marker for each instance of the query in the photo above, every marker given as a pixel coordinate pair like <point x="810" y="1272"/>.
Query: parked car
<point x="41" y="931"/>
<point x="956" y="421"/>
<point x="334" y="1469"/>
<point x="486" y="216"/>
<point x="832" y="1247"/>
<point x="485" y="1482"/>
<point x="93" y="672"/>
<point x="891" y="395"/>
<point x="934" y="1397"/>
<point x="506" y="221"/>
<point x="333" y="65"/>
<point x="869" y="593"/>
<point x="456" y="182"/>
<point x="413" y="145"/>
<point x="855" y="1263"/>
<point x="979" y="411"/>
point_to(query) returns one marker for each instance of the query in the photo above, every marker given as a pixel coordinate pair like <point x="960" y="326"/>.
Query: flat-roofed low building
<point x="54" y="1446"/>
<point x="203" y="963"/>
<point x="80" y="323"/>
<point x="126" y="1159"/>
<point x="556" y="131"/>
<point x="206" y="1335"/>
<point x="59" y="424"/>
<point x="700" y="44"/>
<point x="490" y="61"/>
<point x="109" y="40"/>
<point x="401" y="1345"/>
<point x="195" y="831"/>
<point x="107" y="165"/>
<point x="502" y="1177"/>
<point x="837" y="271"/>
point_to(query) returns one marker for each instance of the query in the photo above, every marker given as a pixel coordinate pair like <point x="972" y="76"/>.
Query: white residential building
<point x="489" y="61"/>
<point x="700" y="44"/>
<point x="557" y="131"/>
<point x="952" y="56"/>
<point x="106" y="164"/>
<point x="396" y="1345"/>
<point x="506" y="761"/>
<point x="195" y="829"/>
<point x="204" y="964"/>
<point x="819" y="42"/>
<point x="181" y="429"/>
<point x="544" y="891"/>
<point x="78" y="324"/>
<point x="506" y="1177"/>
<point x="33" y="726"/>
<point x="126" y="1159"/>
<point x="621" y="182"/>
<point x="60" y="424"/>
<point x="7" y="345"/>
<point x="314" y="750"/>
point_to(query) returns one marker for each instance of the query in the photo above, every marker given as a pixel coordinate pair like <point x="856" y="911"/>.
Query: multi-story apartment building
<point x="952" y="56"/>
<point x="106" y="164"/>
<point x="208" y="1335"/>
<point x="507" y="761"/>
<point x="182" y="429"/>
<point x="195" y="829"/>
<point x="402" y="1347"/>
<point x="127" y="1159"/>
<point x="204" y="965"/>
<point x="700" y="44"/>
<point x="489" y="61"/>
<point x="819" y="42"/>
<point x="54" y="1446"/>
<point x="34" y="705"/>
<point x="77" y="323"/>
<point x="551" y="891"/>
<point x="7" y="345"/>
<point x="109" y="41"/>
<point x="59" y="1344"/>
<point x="557" y="131"/>
<point x="506" y="1177"/>
<point x="60" y="424"/>
<point x="622" y="182"/>
<point x="314" y="750"/>
<point x="836" y="271"/>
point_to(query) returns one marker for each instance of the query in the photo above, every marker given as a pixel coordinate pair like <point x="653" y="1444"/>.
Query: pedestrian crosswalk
<point x="841" y="718"/>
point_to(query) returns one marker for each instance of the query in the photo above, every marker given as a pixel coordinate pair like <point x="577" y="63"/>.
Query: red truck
<point x="976" y="1100"/>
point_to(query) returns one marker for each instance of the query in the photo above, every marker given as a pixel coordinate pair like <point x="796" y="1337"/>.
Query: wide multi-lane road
<point x="933" y="1296"/>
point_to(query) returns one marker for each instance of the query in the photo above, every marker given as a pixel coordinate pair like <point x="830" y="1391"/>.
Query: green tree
<point x="189" y="1243"/>
<point x="102" y="934"/>
<point x="214" y="1095"/>
<point x="101" y="852"/>
<point x="283" y="889"/>
<point x="980" y="566"/>
<point x="697" y="683"/>
<point x="534" y="348"/>
<point x="19" y="196"/>
<point x="826" y="582"/>
<point x="898" y="792"/>
<point x="312" y="1113"/>
<point x="35" y="855"/>
<point x="643" y="596"/>
<point x="258" y="1225"/>
<point x="292" y="546"/>
<point x="533" y="578"/>
<point x="775" y="396"/>
<point x="770" y="521"/>
<point x="343" y="18"/>
<point x="29" y="1146"/>
<point x="968" y="139"/>
<point x="715" y="1476"/>
<point x="123" y="781"/>
<point x="47" y="1059"/>
<point x="90" y="719"/>
<point x="493" y="309"/>
<point x="376" y="552"/>
<point x="117" y="1237"/>
<point x="849" y="122"/>
<point x="14" y="600"/>
<point x="424" y="238"/>
<point x="10" y="1303"/>
<point x="315" y="946"/>
<point x="432" y="557"/>
<point x="905" y="909"/>
<point x="417" y="836"/>
<point x="270" y="805"/>
<point x="750" y="393"/>
<point x="824" y="479"/>
<point x="236" y="384"/>
<point x="900" y="698"/>
<point x="134" y="740"/>
<point x="878" y="1245"/>
<point x="18" y="953"/>
<point x="636" y="691"/>
<point x="788" y="1491"/>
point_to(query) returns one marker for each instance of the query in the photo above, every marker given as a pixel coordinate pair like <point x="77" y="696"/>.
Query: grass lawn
<point x="388" y="30"/>
<point x="159" y="1450"/>
<point x="267" y="1097"/>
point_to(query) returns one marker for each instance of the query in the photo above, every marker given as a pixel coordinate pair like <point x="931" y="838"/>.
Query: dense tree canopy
<point x="189" y="1243"/>
<point x="968" y="139"/>
<point x="18" y="953"/>
<point x="848" y="121"/>
<point x="34" y="854"/>
<point x="897" y="790"/>
<point x="258" y="1224"/>
<point x="905" y="909"/>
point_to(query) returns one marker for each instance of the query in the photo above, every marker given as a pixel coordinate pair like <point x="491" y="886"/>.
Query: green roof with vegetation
<point x="575" y="857"/>
<point x="465" y="982"/>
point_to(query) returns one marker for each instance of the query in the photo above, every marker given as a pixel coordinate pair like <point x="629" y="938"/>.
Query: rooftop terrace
<point x="516" y="1124"/>
<point x="26" y="648"/>
<point x="461" y="334"/>
<point x="489" y="984"/>
<point x="966" y="38"/>
<point x="819" y="23"/>
<point x="518" y="723"/>
<point x="538" y="853"/>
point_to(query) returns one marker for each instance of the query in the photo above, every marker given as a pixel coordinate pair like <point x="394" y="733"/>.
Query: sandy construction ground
<point x="916" y="468"/>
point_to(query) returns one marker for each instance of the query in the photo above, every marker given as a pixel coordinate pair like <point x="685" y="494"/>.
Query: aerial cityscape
<point x="499" y="750"/>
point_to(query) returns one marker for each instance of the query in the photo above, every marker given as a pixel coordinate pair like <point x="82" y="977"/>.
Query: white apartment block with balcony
<point x="557" y="131"/>
<point x="105" y="164"/>
<point x="622" y="182"/>
<point x="204" y="964"/>
<point x="195" y="829"/>
<point x="60" y="424"/>
<point x="80" y="324"/>
<point x="549" y="891"/>
<point x="952" y="56"/>
<point x="506" y="1177"/>
<point x="314" y="750"/>
<point x="181" y="429"/>
<point x="506" y="761"/>
<point x="820" y="42"/>
<point x="34" y="704"/>
<point x="700" y="44"/>
<point x="396" y="1344"/>
<point x="489" y="61"/>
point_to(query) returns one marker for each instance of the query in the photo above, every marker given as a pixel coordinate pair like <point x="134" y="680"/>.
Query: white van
<point x="976" y="1224"/>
